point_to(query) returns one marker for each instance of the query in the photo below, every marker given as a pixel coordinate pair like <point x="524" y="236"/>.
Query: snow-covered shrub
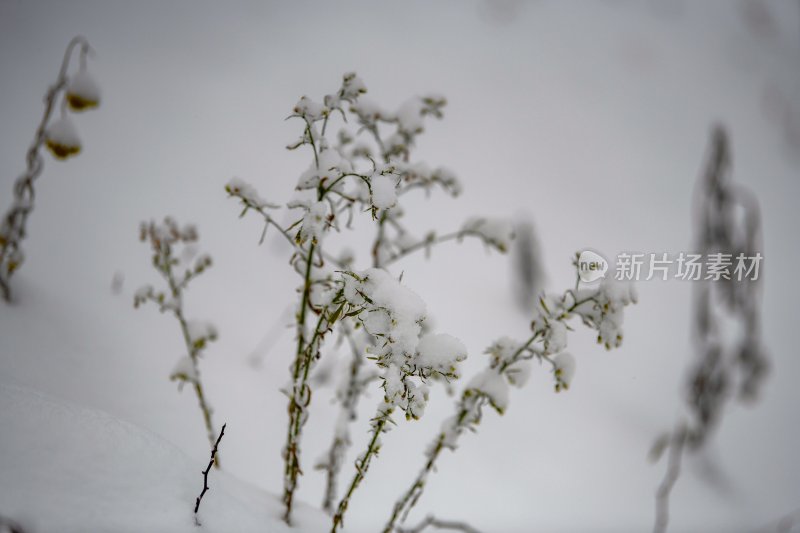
<point x="175" y="261"/>
<point x="510" y="364"/>
<point x="369" y="169"/>
<point x="366" y="167"/>
<point x="74" y="93"/>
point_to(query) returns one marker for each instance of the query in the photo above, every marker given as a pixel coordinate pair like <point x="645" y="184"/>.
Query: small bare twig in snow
<point x="205" y="474"/>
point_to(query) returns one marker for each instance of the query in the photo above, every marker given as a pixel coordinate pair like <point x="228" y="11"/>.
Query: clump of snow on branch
<point x="83" y="92"/>
<point x="384" y="191"/>
<point x="394" y="315"/>
<point x="62" y="138"/>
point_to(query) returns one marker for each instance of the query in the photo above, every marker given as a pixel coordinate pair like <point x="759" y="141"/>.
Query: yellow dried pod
<point x="82" y="92"/>
<point x="62" y="139"/>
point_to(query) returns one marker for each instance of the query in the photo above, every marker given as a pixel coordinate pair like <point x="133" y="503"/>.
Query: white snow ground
<point x="71" y="469"/>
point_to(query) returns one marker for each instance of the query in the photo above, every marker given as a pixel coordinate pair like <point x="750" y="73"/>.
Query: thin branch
<point x="427" y="244"/>
<point x="677" y="442"/>
<point x="205" y="474"/>
<point x="431" y="521"/>
<point x="362" y="465"/>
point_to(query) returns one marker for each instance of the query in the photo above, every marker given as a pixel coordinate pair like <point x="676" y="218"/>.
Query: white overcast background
<point x="590" y="117"/>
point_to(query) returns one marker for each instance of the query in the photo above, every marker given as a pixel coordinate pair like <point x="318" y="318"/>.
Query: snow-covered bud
<point x="200" y="333"/>
<point x="502" y="350"/>
<point x="309" y="109"/>
<point x="417" y="398"/>
<point x="247" y="193"/>
<point x="555" y="339"/>
<point x="433" y="105"/>
<point x="184" y="371"/>
<point x="62" y="138"/>
<point x="142" y="294"/>
<point x="563" y="370"/>
<point x="492" y="385"/>
<point x="352" y="87"/>
<point x="82" y="91"/>
<point x="518" y="373"/>
<point x="315" y="221"/>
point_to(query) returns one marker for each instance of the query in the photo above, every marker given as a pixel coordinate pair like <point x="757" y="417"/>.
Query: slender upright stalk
<point x="194" y="354"/>
<point x="341" y="440"/>
<point x="300" y="396"/>
<point x="362" y="465"/>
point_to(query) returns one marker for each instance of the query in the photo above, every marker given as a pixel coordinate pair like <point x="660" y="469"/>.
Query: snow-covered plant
<point x="383" y="322"/>
<point x="510" y="361"/>
<point x="175" y="260"/>
<point x="731" y="360"/>
<point x="365" y="169"/>
<point x="77" y="92"/>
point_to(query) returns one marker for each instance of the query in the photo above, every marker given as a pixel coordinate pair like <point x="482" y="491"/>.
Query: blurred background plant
<point x="78" y="92"/>
<point x="730" y="358"/>
<point x="178" y="267"/>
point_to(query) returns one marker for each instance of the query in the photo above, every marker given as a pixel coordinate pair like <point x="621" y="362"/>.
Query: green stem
<point x="292" y="459"/>
<point x="349" y="403"/>
<point x="175" y="290"/>
<point x="362" y="466"/>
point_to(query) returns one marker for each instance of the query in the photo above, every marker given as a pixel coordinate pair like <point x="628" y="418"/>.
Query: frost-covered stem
<point x="378" y="243"/>
<point x="175" y="290"/>
<point x="296" y="403"/>
<point x="334" y="466"/>
<point x="373" y="129"/>
<point x="15" y="220"/>
<point x="301" y="394"/>
<point x="268" y="220"/>
<point x="426" y="244"/>
<point x="362" y="465"/>
<point x="348" y="409"/>
<point x="676" y="445"/>
<point x="212" y="461"/>
<point x="467" y="404"/>
<point x="415" y="490"/>
<point x="329" y="188"/>
<point x="312" y="143"/>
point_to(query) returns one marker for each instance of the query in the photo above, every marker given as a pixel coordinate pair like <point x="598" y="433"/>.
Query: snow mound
<point x="66" y="468"/>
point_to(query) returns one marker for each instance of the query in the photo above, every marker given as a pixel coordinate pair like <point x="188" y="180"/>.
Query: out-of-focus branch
<point x="728" y="223"/>
<point x="676" y="443"/>
<point x="435" y="523"/>
<point x="10" y="526"/>
<point x="14" y="223"/>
